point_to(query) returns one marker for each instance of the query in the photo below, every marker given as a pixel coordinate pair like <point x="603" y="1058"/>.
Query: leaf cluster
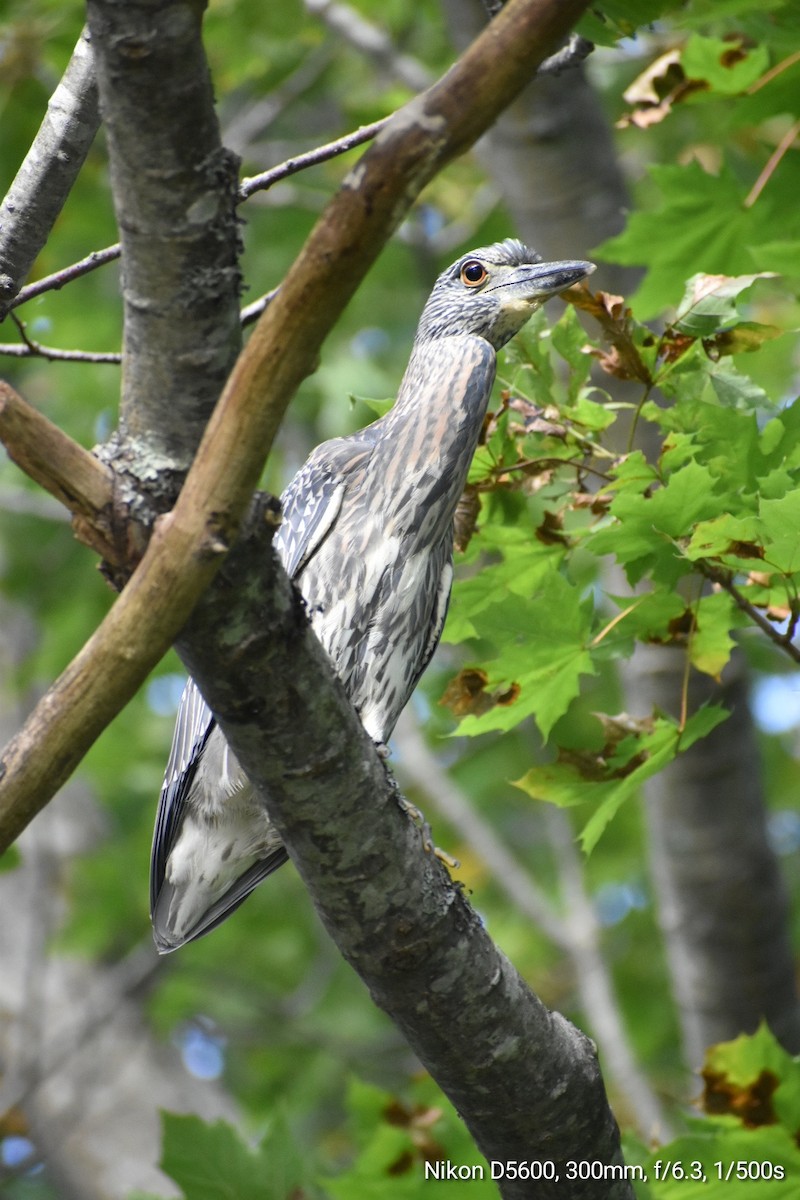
<point x="703" y="532"/>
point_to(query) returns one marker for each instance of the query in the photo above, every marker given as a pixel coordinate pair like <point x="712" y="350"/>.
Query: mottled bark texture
<point x="175" y="190"/>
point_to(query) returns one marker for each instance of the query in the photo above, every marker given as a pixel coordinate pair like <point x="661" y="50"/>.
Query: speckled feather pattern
<point x="367" y="536"/>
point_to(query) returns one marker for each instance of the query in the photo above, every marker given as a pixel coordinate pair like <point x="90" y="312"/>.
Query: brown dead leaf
<point x="467" y="695"/>
<point x="465" y="521"/>
<point x="551" y="530"/>
<point x="752" y="1104"/>
<point x="655" y="92"/>
<point x="614" y="318"/>
<point x="674" y="345"/>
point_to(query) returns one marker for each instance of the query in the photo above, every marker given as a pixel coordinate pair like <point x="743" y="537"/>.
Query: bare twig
<point x="29" y="348"/>
<point x="52" y="283"/>
<point x="311" y="158"/>
<point x="725" y="580"/>
<point x="99" y="258"/>
<point x="782" y="148"/>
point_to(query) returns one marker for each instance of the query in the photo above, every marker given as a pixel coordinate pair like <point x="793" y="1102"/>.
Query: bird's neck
<point x="430" y="435"/>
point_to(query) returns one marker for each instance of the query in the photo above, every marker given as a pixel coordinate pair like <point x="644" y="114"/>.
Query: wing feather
<point x="193" y="726"/>
<point x="313" y="500"/>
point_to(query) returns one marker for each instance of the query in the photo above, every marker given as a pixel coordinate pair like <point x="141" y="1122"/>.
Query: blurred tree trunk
<point x="83" y="1076"/>
<point x="721" y="900"/>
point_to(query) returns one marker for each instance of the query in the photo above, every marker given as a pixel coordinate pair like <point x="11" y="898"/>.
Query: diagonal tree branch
<point x="524" y="1080"/>
<point x="74" y="476"/>
<point x="45" y="178"/>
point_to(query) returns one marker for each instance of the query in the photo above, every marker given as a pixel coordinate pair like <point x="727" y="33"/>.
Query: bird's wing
<point x="216" y="913"/>
<point x="193" y="726"/>
<point x="438" y="617"/>
<point x="313" y="499"/>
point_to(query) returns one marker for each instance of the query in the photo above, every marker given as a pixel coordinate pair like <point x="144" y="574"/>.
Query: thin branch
<point x="773" y="72"/>
<point x="45" y="178"/>
<point x="54" y="282"/>
<point x="248" y="186"/>
<point x="782" y="148"/>
<point x="311" y="158"/>
<point x="725" y="580"/>
<point x="32" y="349"/>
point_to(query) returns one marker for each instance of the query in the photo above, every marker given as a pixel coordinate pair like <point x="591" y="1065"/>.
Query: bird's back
<point x="367" y="531"/>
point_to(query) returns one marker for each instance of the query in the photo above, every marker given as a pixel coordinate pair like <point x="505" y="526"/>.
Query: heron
<point x="367" y="537"/>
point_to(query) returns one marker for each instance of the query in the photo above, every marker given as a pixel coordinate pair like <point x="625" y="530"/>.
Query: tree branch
<point x="311" y="158"/>
<point x="28" y="348"/>
<point x="54" y="282"/>
<point x="372" y="41"/>
<point x="523" y="1079"/>
<point x="724" y="578"/>
<point x="67" y="471"/>
<point x="45" y="178"/>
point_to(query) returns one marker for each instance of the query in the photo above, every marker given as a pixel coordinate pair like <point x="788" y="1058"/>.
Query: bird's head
<point x="491" y="292"/>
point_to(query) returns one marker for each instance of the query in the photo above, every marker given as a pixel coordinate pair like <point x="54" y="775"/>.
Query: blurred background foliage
<point x="265" y="1002"/>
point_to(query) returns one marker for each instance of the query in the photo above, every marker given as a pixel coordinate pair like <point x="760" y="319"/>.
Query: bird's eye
<point x="473" y="273"/>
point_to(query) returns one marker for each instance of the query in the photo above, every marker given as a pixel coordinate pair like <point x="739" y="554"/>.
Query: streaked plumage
<point x="367" y="536"/>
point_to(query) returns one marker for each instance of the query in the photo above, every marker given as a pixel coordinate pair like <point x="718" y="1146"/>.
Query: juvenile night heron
<point x="367" y="537"/>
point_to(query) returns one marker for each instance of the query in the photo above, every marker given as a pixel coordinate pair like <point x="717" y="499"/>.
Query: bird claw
<point x="416" y="815"/>
<point x="428" y="844"/>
